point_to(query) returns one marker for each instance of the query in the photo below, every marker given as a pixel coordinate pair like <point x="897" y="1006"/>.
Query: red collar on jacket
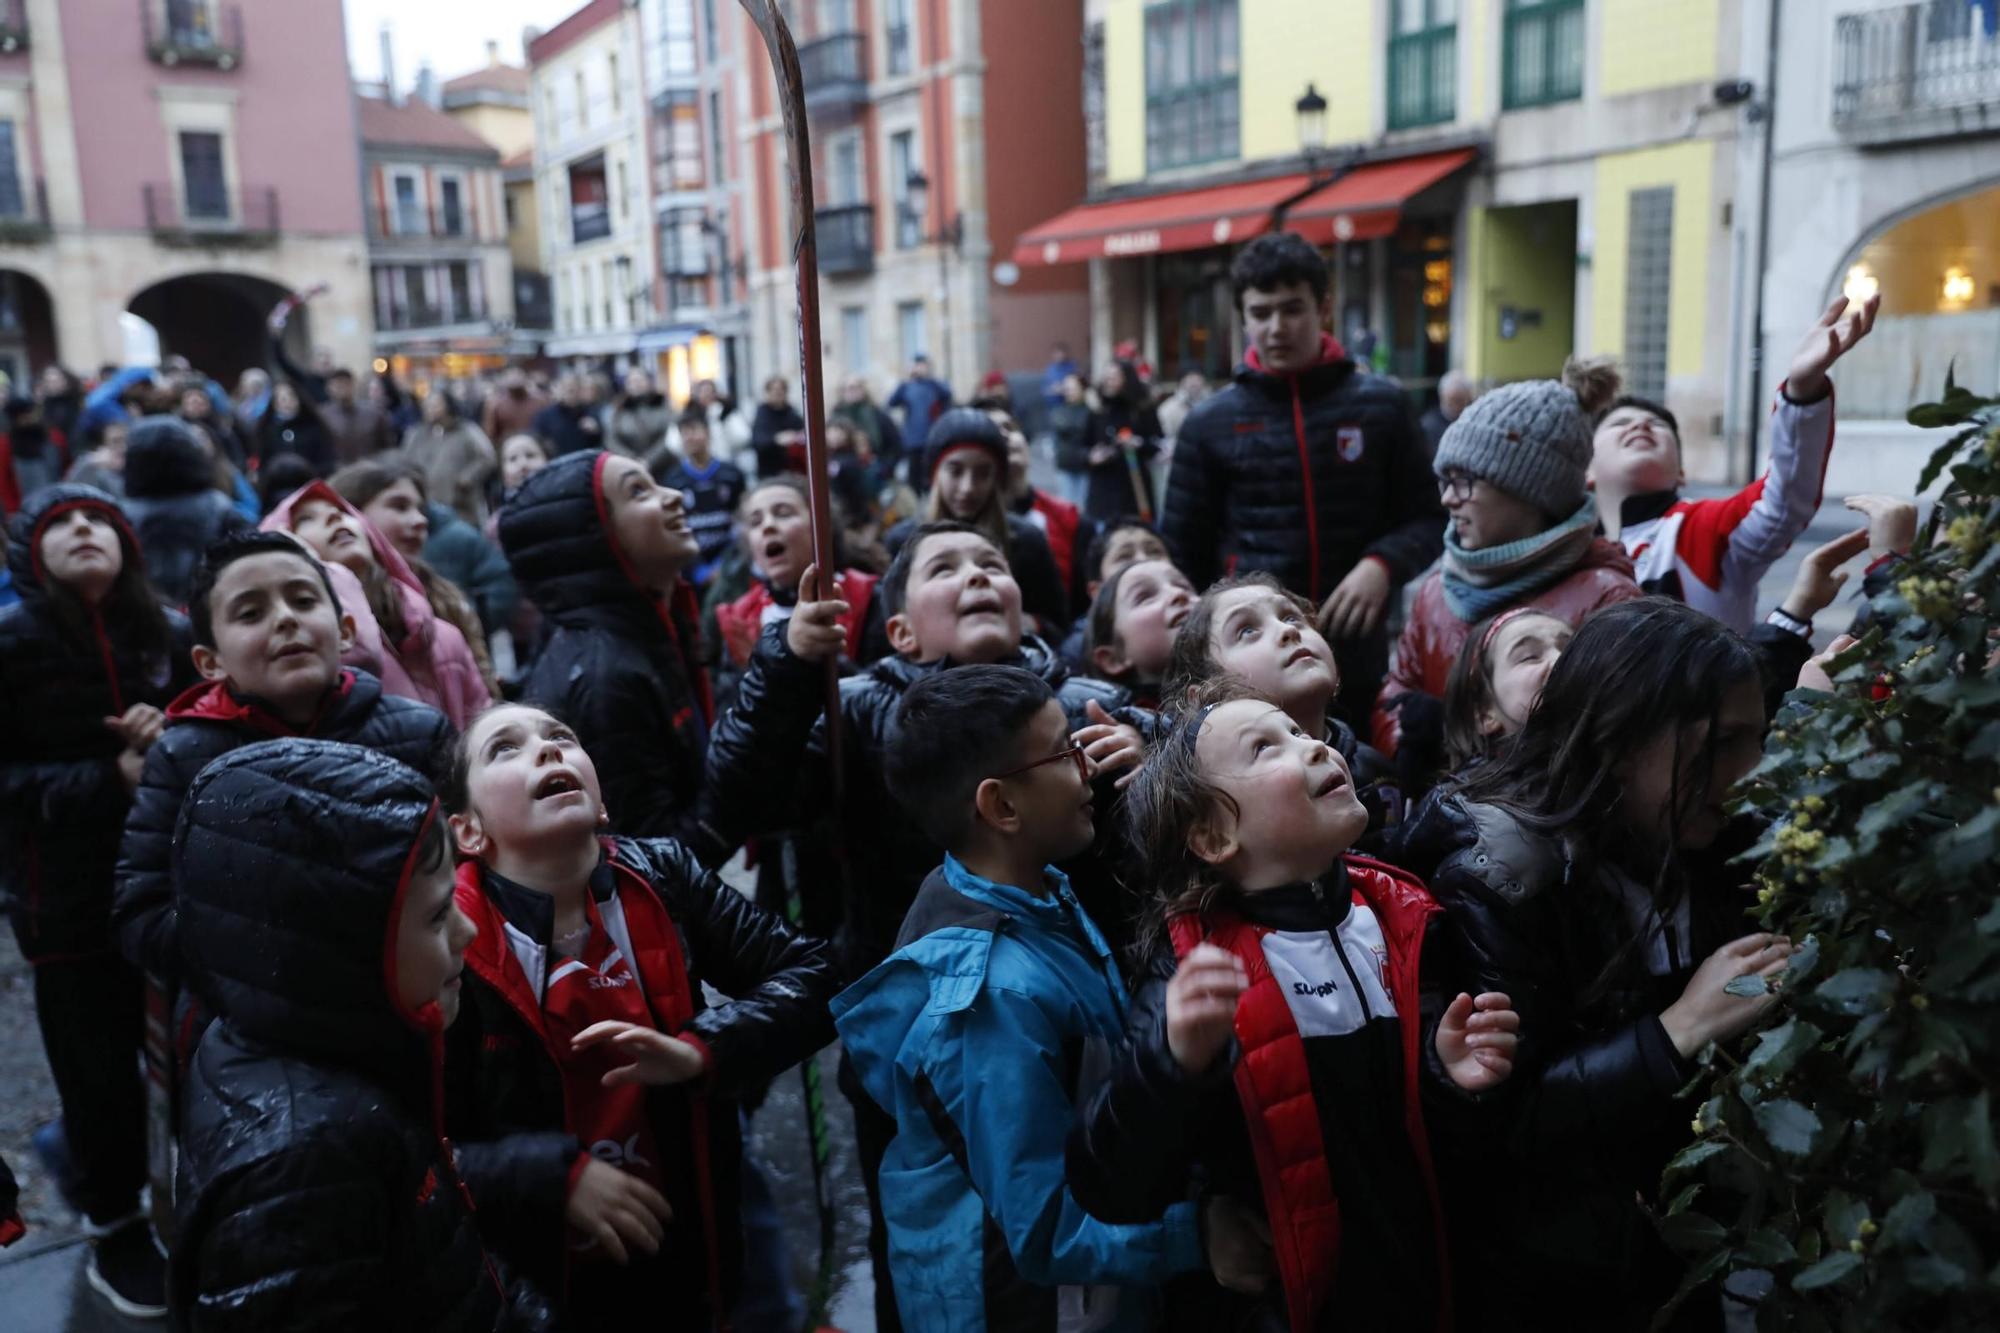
<point x="214" y="701"/>
<point x="1329" y="350"/>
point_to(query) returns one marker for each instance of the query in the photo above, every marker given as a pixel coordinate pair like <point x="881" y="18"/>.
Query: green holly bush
<point x="1850" y="1147"/>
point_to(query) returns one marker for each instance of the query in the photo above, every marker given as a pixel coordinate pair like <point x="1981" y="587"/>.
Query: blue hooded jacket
<point x="995" y="1014"/>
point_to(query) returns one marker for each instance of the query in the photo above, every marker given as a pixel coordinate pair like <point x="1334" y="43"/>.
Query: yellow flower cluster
<point x="1967" y="535"/>
<point x="1798" y="841"/>
<point x="1928" y="597"/>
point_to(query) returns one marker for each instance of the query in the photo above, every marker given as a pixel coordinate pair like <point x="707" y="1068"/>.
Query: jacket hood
<point x="1033" y="655"/>
<point x="556" y="534"/>
<point x="215" y="701"/>
<point x="387" y="556"/>
<point x="1332" y="357"/>
<point x="24" y="534"/>
<point x="292" y="859"/>
<point x="165" y="457"/>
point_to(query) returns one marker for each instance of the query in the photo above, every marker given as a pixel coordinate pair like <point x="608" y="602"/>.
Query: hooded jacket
<point x="518" y="1141"/>
<point x="207" y="722"/>
<point x="62" y="800"/>
<point x="461" y="553"/>
<point x="171" y="498"/>
<point x="1303" y="475"/>
<point x="317" y="1190"/>
<point x="621" y="666"/>
<point x="432" y="664"/>
<point x="1433" y="635"/>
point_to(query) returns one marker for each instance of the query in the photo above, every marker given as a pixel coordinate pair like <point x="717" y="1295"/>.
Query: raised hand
<point x="1817" y="673"/>
<point x="1110" y="744"/>
<point x="1201" y="1006"/>
<point x="1706" y="1011"/>
<point x="814" y="632"/>
<point x="1831" y="337"/>
<point x="1892" y="522"/>
<point x="656" y="1058"/>
<point x="1819" y="580"/>
<point x="1476" y="1040"/>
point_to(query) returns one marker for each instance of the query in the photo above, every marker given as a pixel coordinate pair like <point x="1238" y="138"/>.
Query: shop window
<point x="1423" y="63"/>
<point x="1649" y="255"/>
<point x="1192" y="104"/>
<point x="1542" y="58"/>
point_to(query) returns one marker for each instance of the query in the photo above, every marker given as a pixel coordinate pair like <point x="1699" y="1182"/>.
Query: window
<point x="587" y="301"/>
<point x="902" y="161"/>
<point x="677" y="39"/>
<point x="624" y="195"/>
<point x="1192" y="105"/>
<point x="844" y="178"/>
<point x="710" y="34"/>
<point x="460" y="277"/>
<point x="854" y="337"/>
<point x="717" y="159"/>
<point x="626" y="291"/>
<point x="617" y="93"/>
<point x="610" y="294"/>
<point x="1423" y="63"/>
<point x="582" y="102"/>
<point x="417" y="310"/>
<point x="1649" y="255"/>
<point x="451" y="206"/>
<point x="899" y="28"/>
<point x="13" y="203"/>
<point x="549" y="112"/>
<point x="835" y="16"/>
<point x="406" y="208"/>
<point x="202" y="180"/>
<point x="677" y="143"/>
<point x="1096" y="159"/>
<point x="910" y="342"/>
<point x="1542" y="56"/>
<point x="589" y="208"/>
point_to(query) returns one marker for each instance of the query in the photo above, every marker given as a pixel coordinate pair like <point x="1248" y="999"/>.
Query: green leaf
<point x="1929" y="1272"/>
<point x="1780" y="1048"/>
<point x="1858" y="990"/>
<point x="1695" y="1154"/>
<point x="1749" y="986"/>
<point x="1765" y="1248"/>
<point x="1908" y="1219"/>
<point x="1979" y="1146"/>
<point x="1872" y="766"/>
<point x="1827" y="1271"/>
<point x="1692" y="1233"/>
<point x="1788" y="1126"/>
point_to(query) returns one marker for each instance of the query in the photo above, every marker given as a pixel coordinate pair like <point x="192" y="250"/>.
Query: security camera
<point x="1734" y="92"/>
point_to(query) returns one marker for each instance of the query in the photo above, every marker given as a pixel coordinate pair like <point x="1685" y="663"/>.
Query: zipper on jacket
<point x="110" y="666"/>
<point x="1340" y="952"/>
<point x="1306" y="482"/>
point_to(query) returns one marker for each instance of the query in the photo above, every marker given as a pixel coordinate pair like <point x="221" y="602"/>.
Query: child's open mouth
<point x="1300" y="655"/>
<point x="776" y="550"/>
<point x="560" y="782"/>
<point x="1334" y="782"/>
<point x="983" y="606"/>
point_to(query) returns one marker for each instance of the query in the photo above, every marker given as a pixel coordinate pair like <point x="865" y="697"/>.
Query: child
<point x="87" y="660"/>
<point x="1126" y="542"/>
<point x="593" y="1089"/>
<point x="776" y="526"/>
<point x="1585" y="870"/>
<point x="1300" y="973"/>
<point x="1712" y="554"/>
<point x="978" y="1032"/>
<point x="520" y="458"/>
<point x="170" y="497"/>
<point x="269" y="636"/>
<point x="965" y="460"/>
<point x="422" y="656"/>
<point x="1496" y="681"/>
<point x="1060" y="521"/>
<point x="600" y="548"/>
<point x="1130" y="630"/>
<point x="317" y="1188"/>
<point x="1511" y="470"/>
<point x="710" y="487"/>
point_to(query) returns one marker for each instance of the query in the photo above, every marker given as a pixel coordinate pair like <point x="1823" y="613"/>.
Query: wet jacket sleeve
<point x="62" y="793"/>
<point x="520" y="1181"/>
<point x="994" y="1094"/>
<point x="769" y="745"/>
<point x="1415" y="536"/>
<point x="1567" y="1090"/>
<point x="1189" y="517"/>
<point x="778" y="981"/>
<point x="142" y="905"/>
<point x="1134" y="1139"/>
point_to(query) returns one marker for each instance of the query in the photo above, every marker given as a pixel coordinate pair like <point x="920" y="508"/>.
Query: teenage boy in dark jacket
<point x="317" y="1188"/>
<point x="268" y="636"/>
<point x="600" y="548"/>
<point x="1306" y="467"/>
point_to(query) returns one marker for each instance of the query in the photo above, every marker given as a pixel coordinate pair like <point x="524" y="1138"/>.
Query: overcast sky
<point x="451" y="34"/>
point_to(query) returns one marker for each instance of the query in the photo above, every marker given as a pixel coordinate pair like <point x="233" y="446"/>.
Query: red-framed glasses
<point x="1074" y="752"/>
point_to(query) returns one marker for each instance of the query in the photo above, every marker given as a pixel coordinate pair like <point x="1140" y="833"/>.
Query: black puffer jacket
<point x="620" y="667"/>
<point x="505" y="1101"/>
<point x="1585" y="1125"/>
<point x="768" y="773"/>
<point x="62" y="801"/>
<point x="171" y="496"/>
<point x="316" y="1188"/>
<point x="202" y="725"/>
<point x="1302" y="475"/>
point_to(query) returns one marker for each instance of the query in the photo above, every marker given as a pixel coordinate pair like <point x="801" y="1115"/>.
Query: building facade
<point x="439" y="264"/>
<point x="590" y="161"/>
<point x="942" y="130"/>
<point x="495" y="104"/>
<point x="188" y="163"/>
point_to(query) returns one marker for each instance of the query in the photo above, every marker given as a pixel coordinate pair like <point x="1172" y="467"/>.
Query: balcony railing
<point x="415" y="223"/>
<point x="24" y="214"/>
<point x="406" y="317"/>
<point x="13" y="26"/>
<point x="835" y="70"/>
<point x="1916" y="70"/>
<point x="1423" y="77"/>
<point x="247" y="217"/>
<point x="846" y="239"/>
<point x="193" y="32"/>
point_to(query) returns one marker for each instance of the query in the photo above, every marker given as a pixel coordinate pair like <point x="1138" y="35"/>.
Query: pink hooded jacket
<point x="433" y="664"/>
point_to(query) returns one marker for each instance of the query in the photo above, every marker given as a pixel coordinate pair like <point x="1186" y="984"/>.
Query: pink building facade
<point x="186" y="161"/>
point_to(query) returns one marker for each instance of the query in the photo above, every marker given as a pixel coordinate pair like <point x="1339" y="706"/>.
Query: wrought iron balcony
<point x="192" y="32"/>
<point x="846" y="239"/>
<point x="202" y="216"/>
<point x="835" y="70"/>
<point x="414" y="222"/>
<point x="24" y="214"/>
<point x="1914" y="71"/>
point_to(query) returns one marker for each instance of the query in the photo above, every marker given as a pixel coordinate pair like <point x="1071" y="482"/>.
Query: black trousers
<point x="873" y="1129"/>
<point x="92" y="1013"/>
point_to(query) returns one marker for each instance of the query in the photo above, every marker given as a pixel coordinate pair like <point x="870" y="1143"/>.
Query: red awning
<point x="1189" y="220"/>
<point x="1368" y="201"/>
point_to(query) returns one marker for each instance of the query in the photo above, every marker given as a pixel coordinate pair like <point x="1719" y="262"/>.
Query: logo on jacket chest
<point x="1329" y="993"/>
<point x="1348" y="442"/>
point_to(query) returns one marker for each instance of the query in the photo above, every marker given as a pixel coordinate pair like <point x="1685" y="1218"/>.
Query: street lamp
<point x="1311" y="110"/>
<point x="950" y="240"/>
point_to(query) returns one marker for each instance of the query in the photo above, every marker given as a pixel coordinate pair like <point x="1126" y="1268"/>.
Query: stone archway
<point x="217" y="321"/>
<point x="27" y="328"/>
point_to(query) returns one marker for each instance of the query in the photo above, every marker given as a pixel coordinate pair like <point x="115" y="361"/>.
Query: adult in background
<point x="859" y="410"/>
<point x="1060" y="367"/>
<point x="457" y="460"/>
<point x="922" y="397"/>
<point x="1306" y="466"/>
<point x="173" y="503"/>
<point x="728" y="432"/>
<point x="291" y="426"/>
<point x="1454" y="396"/>
<point x="512" y="410"/>
<point x="776" y="428"/>
<point x="569" y="425"/>
<point x="61" y="398"/>
<point x="640" y="419"/>
<point x="358" y="431"/>
<point x="1071" y="424"/>
<point x="1125" y="438"/>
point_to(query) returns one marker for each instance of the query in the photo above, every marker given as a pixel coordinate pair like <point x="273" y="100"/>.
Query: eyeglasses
<point x="1074" y="753"/>
<point x="1455" y="486"/>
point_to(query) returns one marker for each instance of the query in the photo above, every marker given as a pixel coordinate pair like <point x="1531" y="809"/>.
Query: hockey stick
<point x="819" y="493"/>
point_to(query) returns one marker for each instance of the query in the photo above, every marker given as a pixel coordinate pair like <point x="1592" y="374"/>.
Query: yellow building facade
<point x="1598" y="214"/>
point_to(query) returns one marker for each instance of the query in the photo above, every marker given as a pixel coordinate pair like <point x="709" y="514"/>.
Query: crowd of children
<point x="1165" y="999"/>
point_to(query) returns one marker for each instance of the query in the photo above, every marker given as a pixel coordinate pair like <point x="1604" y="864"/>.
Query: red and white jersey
<point x="1712" y="553"/>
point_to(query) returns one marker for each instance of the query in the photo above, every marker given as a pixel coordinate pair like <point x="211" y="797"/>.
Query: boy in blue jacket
<point x="999" y="1007"/>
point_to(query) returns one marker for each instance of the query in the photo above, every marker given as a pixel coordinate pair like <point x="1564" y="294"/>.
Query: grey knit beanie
<point x="1532" y="439"/>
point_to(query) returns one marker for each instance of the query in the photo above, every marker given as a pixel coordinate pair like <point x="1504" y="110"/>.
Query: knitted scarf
<point x="1478" y="583"/>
